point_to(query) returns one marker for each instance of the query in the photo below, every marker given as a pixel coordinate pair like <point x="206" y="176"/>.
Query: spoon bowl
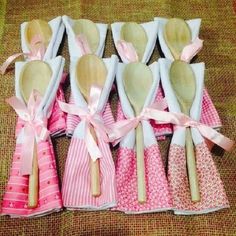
<point x="177" y="35"/>
<point x="89" y="30"/>
<point x="134" y="33"/>
<point x="137" y="79"/>
<point x="38" y="27"/>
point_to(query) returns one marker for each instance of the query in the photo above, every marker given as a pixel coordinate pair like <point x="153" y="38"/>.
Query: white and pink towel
<point x="212" y="192"/>
<point x="157" y="189"/>
<point x="76" y="184"/>
<point x="16" y="196"/>
<point x="209" y="114"/>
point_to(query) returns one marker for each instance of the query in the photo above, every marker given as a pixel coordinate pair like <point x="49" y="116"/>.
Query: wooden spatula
<point x="137" y="79"/>
<point x="183" y="82"/>
<point x="134" y="33"/>
<point x="35" y="75"/>
<point x="91" y="70"/>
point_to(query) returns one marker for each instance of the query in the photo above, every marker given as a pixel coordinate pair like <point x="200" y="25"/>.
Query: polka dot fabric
<point x="212" y="193"/>
<point x="157" y="190"/>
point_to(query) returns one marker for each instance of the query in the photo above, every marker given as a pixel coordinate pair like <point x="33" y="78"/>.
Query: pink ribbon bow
<point x="127" y="51"/>
<point x="121" y="128"/>
<point x="83" y="44"/>
<point x="34" y="128"/>
<point x="191" y="50"/>
<point x="91" y="118"/>
<point x="36" y="53"/>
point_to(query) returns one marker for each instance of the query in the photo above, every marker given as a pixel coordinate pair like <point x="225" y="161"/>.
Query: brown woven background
<point x="219" y="53"/>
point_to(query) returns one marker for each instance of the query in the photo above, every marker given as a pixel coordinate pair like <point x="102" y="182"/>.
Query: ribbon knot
<point x="91" y="118"/>
<point x="35" y="128"/>
<point x="121" y="128"/>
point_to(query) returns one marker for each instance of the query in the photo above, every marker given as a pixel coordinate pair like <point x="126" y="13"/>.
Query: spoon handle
<point x="140" y="165"/>
<point x="33" y="183"/>
<point x="95" y="171"/>
<point x="192" y="170"/>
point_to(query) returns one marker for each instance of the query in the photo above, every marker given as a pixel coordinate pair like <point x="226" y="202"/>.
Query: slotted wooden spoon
<point x="183" y="82"/>
<point x="134" y="33"/>
<point x="38" y="27"/>
<point x="177" y="35"/>
<point x="89" y="30"/>
<point x="137" y="79"/>
<point x="35" y="75"/>
<point x="91" y="70"/>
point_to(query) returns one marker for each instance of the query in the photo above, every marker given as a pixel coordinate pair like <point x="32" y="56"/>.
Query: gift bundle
<point x="165" y="98"/>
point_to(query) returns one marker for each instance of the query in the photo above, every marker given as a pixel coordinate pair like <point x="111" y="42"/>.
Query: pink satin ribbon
<point x="83" y="44"/>
<point x="34" y="54"/>
<point x="91" y="118"/>
<point x="127" y="51"/>
<point x="121" y="128"/>
<point x="191" y="50"/>
<point x="34" y="128"/>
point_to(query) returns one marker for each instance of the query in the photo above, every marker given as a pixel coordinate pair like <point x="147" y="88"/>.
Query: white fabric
<point x="111" y="65"/>
<point x="173" y="105"/>
<point x="57" y="27"/>
<point x="74" y="49"/>
<point x="57" y="65"/>
<point x="151" y="29"/>
<point x="149" y="138"/>
<point x="194" y="26"/>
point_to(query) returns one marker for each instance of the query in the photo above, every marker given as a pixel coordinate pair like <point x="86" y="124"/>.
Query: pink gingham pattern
<point x="16" y="196"/>
<point x="212" y="193"/>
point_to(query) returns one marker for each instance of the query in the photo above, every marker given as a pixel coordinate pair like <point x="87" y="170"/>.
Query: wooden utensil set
<point x="137" y="81"/>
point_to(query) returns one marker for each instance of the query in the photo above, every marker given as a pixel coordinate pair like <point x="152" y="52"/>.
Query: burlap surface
<point x="219" y="32"/>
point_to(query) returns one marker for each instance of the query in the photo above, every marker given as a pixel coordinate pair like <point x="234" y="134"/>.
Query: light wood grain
<point x="183" y="82"/>
<point x="137" y="79"/>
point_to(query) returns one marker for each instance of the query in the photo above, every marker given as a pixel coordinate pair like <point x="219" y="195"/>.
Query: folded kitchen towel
<point x="76" y="184"/>
<point x="212" y="192"/>
<point x="157" y="190"/>
<point x="209" y="113"/>
<point x="16" y="196"/>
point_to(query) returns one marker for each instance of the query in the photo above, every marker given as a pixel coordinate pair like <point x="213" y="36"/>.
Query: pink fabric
<point x="212" y="192"/>
<point x="76" y="185"/>
<point x="73" y="120"/>
<point x="16" y="196"/>
<point x="157" y="190"/>
<point x="127" y="50"/>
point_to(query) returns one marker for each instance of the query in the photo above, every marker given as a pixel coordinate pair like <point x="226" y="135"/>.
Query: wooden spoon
<point x="184" y="85"/>
<point x="135" y="34"/>
<point x="89" y="30"/>
<point x="177" y="35"/>
<point x="137" y="79"/>
<point x="38" y="27"/>
<point x="34" y="75"/>
<point x="91" y="70"/>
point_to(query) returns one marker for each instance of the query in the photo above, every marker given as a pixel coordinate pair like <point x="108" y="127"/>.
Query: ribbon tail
<point x="27" y="152"/>
<point x="83" y="44"/>
<point x="127" y="50"/>
<point x="191" y="50"/>
<point x="8" y="61"/>
<point x="215" y="137"/>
